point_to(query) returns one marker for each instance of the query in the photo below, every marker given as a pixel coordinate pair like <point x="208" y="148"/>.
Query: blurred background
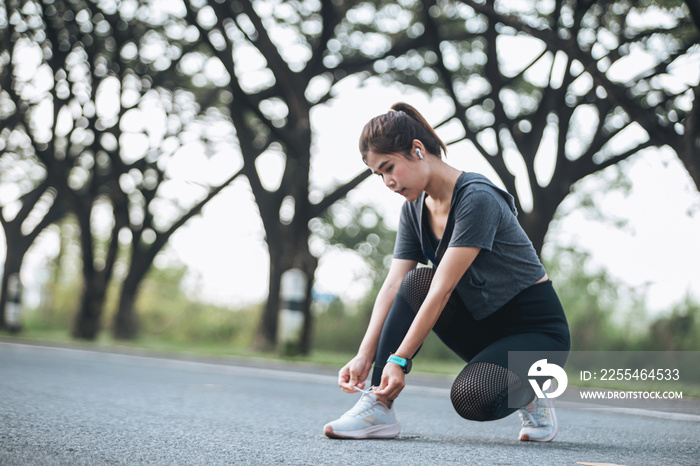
<point x="185" y="174"/>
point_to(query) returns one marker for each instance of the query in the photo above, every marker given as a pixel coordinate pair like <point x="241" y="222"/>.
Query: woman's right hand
<point x="354" y="373"/>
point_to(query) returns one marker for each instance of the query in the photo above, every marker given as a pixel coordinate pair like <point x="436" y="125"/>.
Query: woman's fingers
<point x="393" y="382"/>
<point x="351" y="376"/>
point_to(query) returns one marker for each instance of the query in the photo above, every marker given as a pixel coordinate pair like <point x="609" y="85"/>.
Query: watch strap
<point x="404" y="363"/>
<point x="396" y="359"/>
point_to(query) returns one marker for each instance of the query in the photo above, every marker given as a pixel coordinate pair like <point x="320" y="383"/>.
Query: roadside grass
<point x="326" y="359"/>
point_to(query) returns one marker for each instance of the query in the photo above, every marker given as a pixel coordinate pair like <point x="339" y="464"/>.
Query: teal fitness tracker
<point x="405" y="363"/>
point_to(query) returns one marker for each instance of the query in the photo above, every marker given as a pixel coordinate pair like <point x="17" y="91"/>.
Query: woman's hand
<point x="393" y="381"/>
<point x="354" y="373"/>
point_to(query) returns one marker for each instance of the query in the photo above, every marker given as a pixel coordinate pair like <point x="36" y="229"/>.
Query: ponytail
<point x="396" y="130"/>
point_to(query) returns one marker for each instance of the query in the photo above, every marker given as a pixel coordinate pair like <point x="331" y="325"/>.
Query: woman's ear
<point x="418" y="148"/>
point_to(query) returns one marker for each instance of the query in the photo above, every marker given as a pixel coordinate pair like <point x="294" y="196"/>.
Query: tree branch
<point x="163" y="237"/>
<point x="339" y="193"/>
<point x="331" y="16"/>
<point x="643" y="116"/>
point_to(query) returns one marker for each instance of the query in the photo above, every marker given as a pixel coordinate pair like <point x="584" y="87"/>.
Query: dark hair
<point x="395" y="131"/>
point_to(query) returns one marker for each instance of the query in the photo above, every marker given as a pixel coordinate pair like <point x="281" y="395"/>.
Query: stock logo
<point x="544" y="369"/>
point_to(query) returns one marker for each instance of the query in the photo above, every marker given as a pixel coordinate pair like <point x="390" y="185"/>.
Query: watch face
<point x="407" y="367"/>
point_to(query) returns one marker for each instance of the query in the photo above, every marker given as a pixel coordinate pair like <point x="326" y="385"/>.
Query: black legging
<point x="487" y="388"/>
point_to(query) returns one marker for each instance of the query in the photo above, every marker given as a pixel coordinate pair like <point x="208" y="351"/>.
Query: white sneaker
<point x="369" y="418"/>
<point x="539" y="419"/>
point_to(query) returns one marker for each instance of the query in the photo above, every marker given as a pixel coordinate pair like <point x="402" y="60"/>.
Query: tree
<point x="563" y="95"/>
<point x="593" y="40"/>
<point x="274" y="61"/>
<point x="34" y="210"/>
<point x="453" y="48"/>
<point x="28" y="203"/>
<point x="79" y="104"/>
<point x="296" y="52"/>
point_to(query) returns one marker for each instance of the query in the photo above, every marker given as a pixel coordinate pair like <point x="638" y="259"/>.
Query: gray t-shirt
<point x="484" y="216"/>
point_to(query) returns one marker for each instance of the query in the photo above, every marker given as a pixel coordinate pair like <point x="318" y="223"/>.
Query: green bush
<point x="163" y="311"/>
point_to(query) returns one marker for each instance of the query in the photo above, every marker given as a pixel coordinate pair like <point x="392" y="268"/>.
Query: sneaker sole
<point x="384" y="431"/>
<point x="550" y="437"/>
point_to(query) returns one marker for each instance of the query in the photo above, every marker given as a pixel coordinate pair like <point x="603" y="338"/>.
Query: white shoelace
<point x="526" y="417"/>
<point x="533" y="415"/>
<point x="364" y="403"/>
<point x="366" y="392"/>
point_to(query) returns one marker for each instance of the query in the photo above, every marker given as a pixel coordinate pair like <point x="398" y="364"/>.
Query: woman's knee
<point x="415" y="285"/>
<point x="418" y="277"/>
<point x="480" y="392"/>
<point x="470" y="404"/>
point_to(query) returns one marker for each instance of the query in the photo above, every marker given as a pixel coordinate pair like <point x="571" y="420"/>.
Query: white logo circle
<point x="542" y="368"/>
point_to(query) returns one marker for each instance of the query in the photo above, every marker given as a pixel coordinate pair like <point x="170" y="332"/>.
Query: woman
<point x="485" y="295"/>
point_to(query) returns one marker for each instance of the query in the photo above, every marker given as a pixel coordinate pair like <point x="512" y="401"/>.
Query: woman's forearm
<point x="382" y="305"/>
<point x="424" y="322"/>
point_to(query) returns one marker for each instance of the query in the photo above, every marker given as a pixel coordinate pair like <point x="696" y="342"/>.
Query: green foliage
<point x="61" y="295"/>
<point x="338" y="328"/>
<point x="63" y="300"/>
<point x="604" y="314"/>
<point x="165" y="311"/>
<point x="360" y="229"/>
<point x="679" y="331"/>
<point x="589" y="300"/>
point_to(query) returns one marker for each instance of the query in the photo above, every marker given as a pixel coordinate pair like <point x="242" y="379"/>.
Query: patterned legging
<point x="488" y="388"/>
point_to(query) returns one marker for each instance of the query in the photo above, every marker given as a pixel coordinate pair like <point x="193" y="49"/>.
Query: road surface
<point x="87" y="407"/>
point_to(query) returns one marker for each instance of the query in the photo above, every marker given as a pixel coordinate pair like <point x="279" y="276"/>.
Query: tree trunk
<point x="307" y="330"/>
<point x="287" y="251"/>
<point x="87" y="322"/>
<point x="536" y="228"/>
<point x="126" y="325"/>
<point x="536" y="223"/>
<point x="13" y="264"/>
<point x="18" y="243"/>
<point x="266" y="339"/>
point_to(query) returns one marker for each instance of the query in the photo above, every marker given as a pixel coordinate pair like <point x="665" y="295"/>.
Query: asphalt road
<point x="74" y="407"/>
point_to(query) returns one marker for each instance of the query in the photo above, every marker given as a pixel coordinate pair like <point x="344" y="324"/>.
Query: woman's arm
<point x="452" y="267"/>
<point x="357" y="370"/>
<point x="385" y="299"/>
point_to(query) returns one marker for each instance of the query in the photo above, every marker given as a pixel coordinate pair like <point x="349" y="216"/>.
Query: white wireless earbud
<point x="420" y="156"/>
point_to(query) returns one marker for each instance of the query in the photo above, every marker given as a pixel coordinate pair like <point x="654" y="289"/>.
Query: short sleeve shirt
<point x="483" y="216"/>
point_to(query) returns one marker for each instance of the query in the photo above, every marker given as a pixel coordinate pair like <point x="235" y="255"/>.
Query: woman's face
<point x="399" y="174"/>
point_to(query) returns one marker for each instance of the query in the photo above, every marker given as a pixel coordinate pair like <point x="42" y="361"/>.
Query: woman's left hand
<point x="393" y="381"/>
